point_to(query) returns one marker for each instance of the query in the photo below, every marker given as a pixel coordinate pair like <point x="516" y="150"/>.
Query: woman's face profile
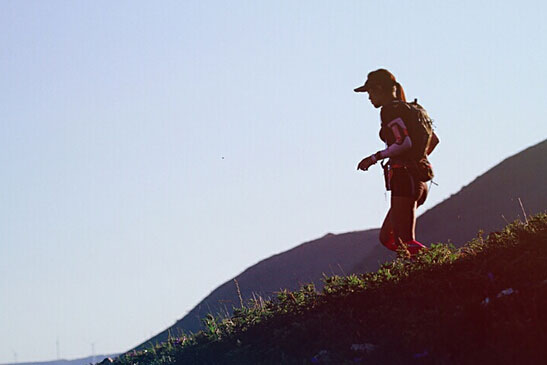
<point x="375" y="96"/>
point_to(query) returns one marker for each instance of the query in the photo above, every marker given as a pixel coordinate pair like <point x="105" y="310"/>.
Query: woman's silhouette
<point x="404" y="150"/>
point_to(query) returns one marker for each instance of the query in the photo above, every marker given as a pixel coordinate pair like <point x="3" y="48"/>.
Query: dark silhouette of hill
<point x="486" y="203"/>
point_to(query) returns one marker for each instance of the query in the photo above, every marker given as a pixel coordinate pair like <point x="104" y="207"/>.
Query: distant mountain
<point x="486" y="203"/>
<point x="83" y="361"/>
<point x="491" y="199"/>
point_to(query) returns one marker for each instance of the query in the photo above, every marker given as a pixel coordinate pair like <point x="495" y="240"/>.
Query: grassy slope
<point x="302" y="264"/>
<point x="431" y="310"/>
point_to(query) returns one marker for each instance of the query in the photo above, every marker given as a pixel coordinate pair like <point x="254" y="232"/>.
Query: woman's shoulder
<point x="395" y="109"/>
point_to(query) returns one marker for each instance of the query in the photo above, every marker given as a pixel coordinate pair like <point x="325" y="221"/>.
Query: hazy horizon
<point x="145" y="146"/>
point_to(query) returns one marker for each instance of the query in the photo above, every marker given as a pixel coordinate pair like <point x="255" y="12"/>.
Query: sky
<point x="151" y="151"/>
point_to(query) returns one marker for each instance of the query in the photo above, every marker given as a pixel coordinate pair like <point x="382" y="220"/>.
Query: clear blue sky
<point x="150" y="151"/>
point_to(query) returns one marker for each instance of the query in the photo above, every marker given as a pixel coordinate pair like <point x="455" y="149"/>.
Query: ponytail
<point x="400" y="93"/>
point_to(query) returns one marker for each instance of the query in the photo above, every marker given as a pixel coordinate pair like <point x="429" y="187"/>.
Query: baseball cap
<point x="378" y="77"/>
<point x="363" y="87"/>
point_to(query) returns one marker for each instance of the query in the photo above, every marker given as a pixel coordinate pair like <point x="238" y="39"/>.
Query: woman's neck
<point x="389" y="99"/>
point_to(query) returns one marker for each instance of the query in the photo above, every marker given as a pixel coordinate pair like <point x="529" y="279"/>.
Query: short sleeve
<point x="387" y="114"/>
<point x="392" y="111"/>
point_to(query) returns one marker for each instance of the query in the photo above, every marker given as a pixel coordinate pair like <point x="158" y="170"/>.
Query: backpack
<point x="420" y="129"/>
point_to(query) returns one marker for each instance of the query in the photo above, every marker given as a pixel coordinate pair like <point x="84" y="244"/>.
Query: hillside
<point x="479" y="205"/>
<point x="306" y="263"/>
<point x="482" y="303"/>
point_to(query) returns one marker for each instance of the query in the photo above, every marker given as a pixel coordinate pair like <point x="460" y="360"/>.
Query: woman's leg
<point x="404" y="222"/>
<point x="406" y="195"/>
<point x="387" y="237"/>
<point x="403" y="218"/>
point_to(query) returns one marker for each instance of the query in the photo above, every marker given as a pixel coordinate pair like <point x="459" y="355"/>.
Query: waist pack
<point x="420" y="170"/>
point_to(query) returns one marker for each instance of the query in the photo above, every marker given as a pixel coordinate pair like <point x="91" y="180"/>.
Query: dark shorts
<point x="405" y="185"/>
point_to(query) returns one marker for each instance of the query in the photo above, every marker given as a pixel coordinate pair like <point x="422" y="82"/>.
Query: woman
<point x="407" y="191"/>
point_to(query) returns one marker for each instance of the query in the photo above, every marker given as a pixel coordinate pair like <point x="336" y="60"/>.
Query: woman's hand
<point x="366" y="163"/>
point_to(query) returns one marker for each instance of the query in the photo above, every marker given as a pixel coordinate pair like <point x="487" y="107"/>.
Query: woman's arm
<point x="402" y="140"/>
<point x="433" y="143"/>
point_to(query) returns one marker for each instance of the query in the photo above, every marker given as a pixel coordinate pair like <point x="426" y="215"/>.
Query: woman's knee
<point x="403" y="217"/>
